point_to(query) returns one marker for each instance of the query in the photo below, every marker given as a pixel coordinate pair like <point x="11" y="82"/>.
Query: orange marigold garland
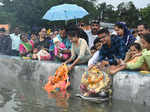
<point x="94" y="81"/>
<point x="60" y="81"/>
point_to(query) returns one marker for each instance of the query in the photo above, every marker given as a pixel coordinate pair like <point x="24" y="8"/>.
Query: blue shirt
<point x="51" y="48"/>
<point x="128" y="40"/>
<point x="116" y="51"/>
<point x="66" y="41"/>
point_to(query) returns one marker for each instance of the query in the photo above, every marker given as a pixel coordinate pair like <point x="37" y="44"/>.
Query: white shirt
<point x="91" y="38"/>
<point x="138" y="39"/>
<point x="94" y="59"/>
<point x="15" y="41"/>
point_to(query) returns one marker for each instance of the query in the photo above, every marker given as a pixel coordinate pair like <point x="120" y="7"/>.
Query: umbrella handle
<point x="66" y="22"/>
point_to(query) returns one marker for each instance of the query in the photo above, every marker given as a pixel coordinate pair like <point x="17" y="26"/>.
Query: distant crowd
<point x="110" y="51"/>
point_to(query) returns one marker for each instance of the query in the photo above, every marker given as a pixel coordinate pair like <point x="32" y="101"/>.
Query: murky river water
<point x="29" y="96"/>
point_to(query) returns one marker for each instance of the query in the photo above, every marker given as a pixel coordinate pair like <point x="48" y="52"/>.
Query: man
<point x="15" y="37"/>
<point x="92" y="34"/>
<point x="5" y="43"/>
<point x="113" y="49"/>
<point x="142" y="29"/>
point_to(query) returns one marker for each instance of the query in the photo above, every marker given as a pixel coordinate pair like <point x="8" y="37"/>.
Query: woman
<point x="145" y="57"/>
<point x="26" y="46"/>
<point x="43" y="40"/>
<point x="80" y="52"/>
<point x="59" y="45"/>
<point x="123" y="32"/>
<point x="138" y="62"/>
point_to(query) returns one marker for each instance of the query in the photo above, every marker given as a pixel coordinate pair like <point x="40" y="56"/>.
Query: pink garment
<point x="22" y="49"/>
<point x="62" y="47"/>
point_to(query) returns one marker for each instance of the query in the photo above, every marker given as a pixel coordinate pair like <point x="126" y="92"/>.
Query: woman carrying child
<point x="59" y="45"/>
<point x="139" y="60"/>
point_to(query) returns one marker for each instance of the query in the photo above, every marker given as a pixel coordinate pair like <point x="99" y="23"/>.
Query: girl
<point x="41" y="55"/>
<point x="80" y="52"/>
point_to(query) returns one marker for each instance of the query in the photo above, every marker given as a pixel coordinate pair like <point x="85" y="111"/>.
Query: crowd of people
<point x="117" y="50"/>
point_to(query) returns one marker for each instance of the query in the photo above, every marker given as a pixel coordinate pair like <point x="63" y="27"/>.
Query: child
<point x="136" y="58"/>
<point x="41" y="55"/>
<point x="93" y="50"/>
<point x="59" y="46"/>
<point x="145" y="57"/>
<point x="97" y="44"/>
<point x="94" y="59"/>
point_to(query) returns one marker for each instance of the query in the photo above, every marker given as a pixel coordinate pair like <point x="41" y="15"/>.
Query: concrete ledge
<point x="132" y="86"/>
<point x="127" y="85"/>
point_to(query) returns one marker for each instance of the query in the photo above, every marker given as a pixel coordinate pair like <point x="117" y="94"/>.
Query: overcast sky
<point x="138" y="3"/>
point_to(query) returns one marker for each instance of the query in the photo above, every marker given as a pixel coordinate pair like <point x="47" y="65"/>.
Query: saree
<point x="95" y="82"/>
<point x="58" y="82"/>
<point x="25" y="47"/>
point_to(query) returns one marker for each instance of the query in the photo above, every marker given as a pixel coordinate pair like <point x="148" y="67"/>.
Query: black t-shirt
<point x="42" y="44"/>
<point x="83" y="35"/>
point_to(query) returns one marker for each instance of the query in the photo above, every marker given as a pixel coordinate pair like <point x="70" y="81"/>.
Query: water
<point x="29" y="96"/>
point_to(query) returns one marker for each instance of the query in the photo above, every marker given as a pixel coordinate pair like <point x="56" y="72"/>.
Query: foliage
<point x="145" y="13"/>
<point x="27" y="13"/>
<point x="128" y="13"/>
<point x="30" y="12"/>
<point x="106" y="13"/>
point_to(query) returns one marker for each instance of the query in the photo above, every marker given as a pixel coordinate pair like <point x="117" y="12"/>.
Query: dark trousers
<point x="14" y="53"/>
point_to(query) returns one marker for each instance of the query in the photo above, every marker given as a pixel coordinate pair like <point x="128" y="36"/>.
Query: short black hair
<point x="93" y="48"/>
<point x="74" y="31"/>
<point x="104" y="30"/>
<point x="97" y="40"/>
<point x="134" y="31"/>
<point x="95" y="22"/>
<point x="137" y="46"/>
<point x="42" y="29"/>
<point x="146" y="37"/>
<point x="62" y="28"/>
<point x="2" y="30"/>
<point x="145" y="25"/>
<point x="23" y="34"/>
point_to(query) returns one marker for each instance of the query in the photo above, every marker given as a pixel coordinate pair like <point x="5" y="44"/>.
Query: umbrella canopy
<point x="65" y="12"/>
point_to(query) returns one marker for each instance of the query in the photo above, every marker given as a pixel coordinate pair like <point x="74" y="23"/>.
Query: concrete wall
<point x="130" y="86"/>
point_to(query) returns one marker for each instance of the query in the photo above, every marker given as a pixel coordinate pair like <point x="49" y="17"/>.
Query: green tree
<point x="145" y="13"/>
<point x="30" y="12"/>
<point x="128" y="13"/>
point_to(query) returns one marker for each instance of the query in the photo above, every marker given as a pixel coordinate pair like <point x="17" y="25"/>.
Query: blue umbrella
<point x="65" y="12"/>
